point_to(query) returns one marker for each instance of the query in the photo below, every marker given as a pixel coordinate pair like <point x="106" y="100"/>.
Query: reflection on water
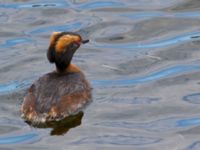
<point x="60" y="128"/>
<point x="142" y="61"/>
<point x="63" y="126"/>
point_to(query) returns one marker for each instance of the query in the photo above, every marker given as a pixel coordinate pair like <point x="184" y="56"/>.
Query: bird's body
<point x="57" y="94"/>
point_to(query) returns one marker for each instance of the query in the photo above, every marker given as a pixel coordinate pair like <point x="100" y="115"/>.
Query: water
<point x="143" y="61"/>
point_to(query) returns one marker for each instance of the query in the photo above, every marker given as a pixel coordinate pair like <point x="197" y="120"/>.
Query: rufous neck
<point x="71" y="68"/>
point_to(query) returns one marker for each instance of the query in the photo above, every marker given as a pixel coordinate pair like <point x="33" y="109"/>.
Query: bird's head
<point x="62" y="47"/>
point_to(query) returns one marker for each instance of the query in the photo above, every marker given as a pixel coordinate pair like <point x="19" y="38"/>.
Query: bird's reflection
<point x="63" y="126"/>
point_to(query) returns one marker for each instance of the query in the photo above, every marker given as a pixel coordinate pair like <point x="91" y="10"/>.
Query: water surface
<point x="143" y="61"/>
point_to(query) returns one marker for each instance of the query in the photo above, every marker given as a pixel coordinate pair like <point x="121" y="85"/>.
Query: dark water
<point x="143" y="61"/>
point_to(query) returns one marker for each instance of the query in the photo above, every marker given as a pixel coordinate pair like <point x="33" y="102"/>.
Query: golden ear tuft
<point x="65" y="40"/>
<point x="53" y="37"/>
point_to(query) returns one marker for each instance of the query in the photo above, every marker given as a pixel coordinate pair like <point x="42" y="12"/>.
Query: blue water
<point x="143" y="62"/>
<point x="18" y="139"/>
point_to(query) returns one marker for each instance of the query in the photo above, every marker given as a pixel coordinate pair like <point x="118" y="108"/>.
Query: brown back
<point x="52" y="87"/>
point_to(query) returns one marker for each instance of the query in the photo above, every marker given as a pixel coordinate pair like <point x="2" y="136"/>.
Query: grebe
<point x="63" y="92"/>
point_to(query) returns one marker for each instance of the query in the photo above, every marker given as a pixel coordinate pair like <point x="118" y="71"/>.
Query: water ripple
<point x="4" y="121"/>
<point x="152" y="77"/>
<point x="153" y="126"/>
<point x="192" y="98"/>
<point x="34" y="5"/>
<point x="119" y="140"/>
<point x="12" y="42"/>
<point x="188" y="122"/>
<point x="194" y="146"/>
<point x="168" y="42"/>
<point x="14" y="86"/>
<point x="19" y="136"/>
<point x="29" y="137"/>
<point x="17" y="85"/>
<point x="151" y="14"/>
<point x="68" y="26"/>
<point x="161" y="125"/>
<point x="135" y="100"/>
<point x="99" y="4"/>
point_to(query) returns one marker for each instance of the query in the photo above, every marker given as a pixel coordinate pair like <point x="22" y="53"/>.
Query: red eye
<point x="77" y="42"/>
<point x="74" y="45"/>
